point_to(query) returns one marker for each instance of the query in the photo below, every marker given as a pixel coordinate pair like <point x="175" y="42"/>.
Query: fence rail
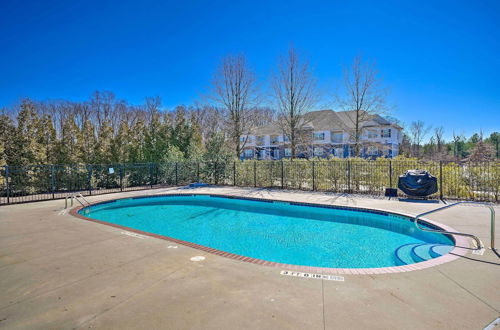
<point x="471" y="181"/>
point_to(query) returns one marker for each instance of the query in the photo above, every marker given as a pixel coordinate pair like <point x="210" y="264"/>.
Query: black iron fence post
<point x="282" y="175"/>
<point x="7" y="183"/>
<point x="271" y="181"/>
<point x="89" y="178"/>
<point x="441" y="179"/>
<point x="255" y="173"/>
<point x="121" y="176"/>
<point x="313" y="177"/>
<point x="198" y="171"/>
<point x="349" y="175"/>
<point x="151" y="175"/>
<point x="52" y="181"/>
<point x="176" y="173"/>
<point x="234" y="173"/>
<point x="390" y="174"/>
<point x="215" y="173"/>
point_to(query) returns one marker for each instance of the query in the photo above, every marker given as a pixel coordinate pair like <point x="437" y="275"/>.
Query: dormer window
<point x="385" y="132"/>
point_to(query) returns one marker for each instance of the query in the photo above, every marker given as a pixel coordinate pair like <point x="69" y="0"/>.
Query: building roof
<point x="326" y="120"/>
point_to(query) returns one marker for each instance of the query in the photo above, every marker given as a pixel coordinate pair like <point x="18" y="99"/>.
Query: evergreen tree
<point x="88" y="142"/>
<point x="47" y="137"/>
<point x="153" y="138"/>
<point x="7" y="130"/>
<point x="217" y="149"/>
<point x="195" y="149"/>
<point x="135" y="149"/>
<point x="181" y="133"/>
<point x="120" y="144"/>
<point x="494" y="140"/>
<point x="104" y="142"/>
<point x="69" y="150"/>
<point x="26" y="140"/>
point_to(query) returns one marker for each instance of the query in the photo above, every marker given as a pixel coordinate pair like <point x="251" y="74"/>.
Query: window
<point x="288" y="152"/>
<point x="260" y="140"/>
<point x="337" y="137"/>
<point x="318" y="151"/>
<point x="337" y="152"/>
<point x="276" y="153"/>
<point x="372" y="134"/>
<point x="318" y="136"/>
<point x="373" y="151"/>
<point x="274" y="139"/>
<point x="286" y="139"/>
<point x="385" y="133"/>
<point x="248" y="153"/>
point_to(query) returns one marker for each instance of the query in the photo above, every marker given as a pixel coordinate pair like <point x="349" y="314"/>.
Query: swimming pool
<point x="278" y="232"/>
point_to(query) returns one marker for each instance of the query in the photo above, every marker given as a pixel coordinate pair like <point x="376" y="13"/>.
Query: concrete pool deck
<point x="58" y="271"/>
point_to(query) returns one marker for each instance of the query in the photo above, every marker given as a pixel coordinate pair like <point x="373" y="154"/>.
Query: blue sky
<point x="440" y="59"/>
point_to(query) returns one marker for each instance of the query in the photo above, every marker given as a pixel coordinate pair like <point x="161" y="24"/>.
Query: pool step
<point x="403" y="253"/>
<point x="439" y="250"/>
<point x="418" y="252"/>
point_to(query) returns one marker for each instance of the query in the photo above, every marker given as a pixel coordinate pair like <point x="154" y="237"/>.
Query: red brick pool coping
<point x="460" y="249"/>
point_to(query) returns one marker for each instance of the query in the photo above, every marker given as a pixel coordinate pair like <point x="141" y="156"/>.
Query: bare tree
<point x="208" y="118"/>
<point x="438" y="135"/>
<point x="262" y="116"/>
<point x="234" y="89"/>
<point x="418" y="131"/>
<point x="363" y="95"/>
<point x="294" y="88"/>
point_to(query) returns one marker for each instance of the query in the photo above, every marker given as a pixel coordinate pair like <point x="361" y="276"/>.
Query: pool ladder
<point x="79" y="198"/>
<point x="475" y="238"/>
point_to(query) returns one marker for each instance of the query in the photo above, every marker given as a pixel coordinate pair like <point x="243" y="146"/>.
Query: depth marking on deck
<point x="312" y="275"/>
<point x="133" y="234"/>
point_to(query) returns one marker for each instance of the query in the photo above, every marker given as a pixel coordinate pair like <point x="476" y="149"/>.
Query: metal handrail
<point x="477" y="240"/>
<point x="77" y="197"/>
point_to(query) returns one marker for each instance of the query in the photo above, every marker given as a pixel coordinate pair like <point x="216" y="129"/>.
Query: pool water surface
<point x="279" y="232"/>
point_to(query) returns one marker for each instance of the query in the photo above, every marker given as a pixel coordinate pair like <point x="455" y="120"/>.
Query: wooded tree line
<point x="460" y="148"/>
<point x="105" y="129"/>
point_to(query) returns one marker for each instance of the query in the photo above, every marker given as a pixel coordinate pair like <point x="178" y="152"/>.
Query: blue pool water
<point x="279" y="232"/>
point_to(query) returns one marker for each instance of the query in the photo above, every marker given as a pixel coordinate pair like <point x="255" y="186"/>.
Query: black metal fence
<point x="471" y="181"/>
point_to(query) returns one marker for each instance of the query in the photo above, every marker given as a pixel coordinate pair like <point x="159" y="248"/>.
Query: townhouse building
<point x="324" y="134"/>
